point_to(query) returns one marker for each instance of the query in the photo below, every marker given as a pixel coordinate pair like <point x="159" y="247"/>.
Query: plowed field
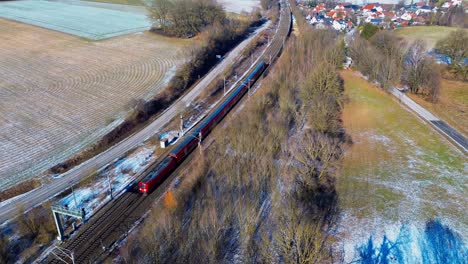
<point x="59" y="93"/>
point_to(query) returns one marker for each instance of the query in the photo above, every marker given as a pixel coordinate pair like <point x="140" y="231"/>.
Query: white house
<point x="338" y="26"/>
<point x="339" y="7"/>
<point x="406" y="16"/>
<point x="452" y="3"/>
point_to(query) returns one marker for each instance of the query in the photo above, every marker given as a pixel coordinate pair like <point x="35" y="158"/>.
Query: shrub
<point x="369" y="30"/>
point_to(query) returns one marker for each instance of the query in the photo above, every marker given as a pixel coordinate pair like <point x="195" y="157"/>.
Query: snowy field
<point x="80" y="20"/>
<point x="60" y="93"/>
<point x="239" y="5"/>
<point x="121" y="173"/>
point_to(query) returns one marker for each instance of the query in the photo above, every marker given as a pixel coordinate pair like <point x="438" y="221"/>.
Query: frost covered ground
<point x="61" y="93"/>
<point x="403" y="187"/>
<point x="121" y="173"/>
<point x="239" y="5"/>
<point x="80" y="20"/>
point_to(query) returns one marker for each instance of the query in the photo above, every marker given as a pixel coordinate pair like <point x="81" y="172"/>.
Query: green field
<point x="398" y="169"/>
<point x="430" y="34"/>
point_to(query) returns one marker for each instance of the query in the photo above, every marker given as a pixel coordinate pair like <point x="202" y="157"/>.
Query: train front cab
<point x="143" y="188"/>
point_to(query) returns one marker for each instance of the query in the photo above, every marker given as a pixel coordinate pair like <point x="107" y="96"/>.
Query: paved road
<point x="456" y="137"/>
<point x="8" y="209"/>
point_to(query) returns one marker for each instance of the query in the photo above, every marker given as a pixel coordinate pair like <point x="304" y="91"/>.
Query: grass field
<point x="452" y="106"/>
<point x="398" y="169"/>
<point x="430" y="34"/>
<point x="60" y="93"/>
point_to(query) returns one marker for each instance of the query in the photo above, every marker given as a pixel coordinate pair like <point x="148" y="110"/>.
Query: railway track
<point x="107" y="227"/>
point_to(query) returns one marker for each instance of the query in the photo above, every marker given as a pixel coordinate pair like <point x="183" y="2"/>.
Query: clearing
<point x="452" y="106"/>
<point x="430" y="34"/>
<point x="61" y="93"/>
<point x="399" y="171"/>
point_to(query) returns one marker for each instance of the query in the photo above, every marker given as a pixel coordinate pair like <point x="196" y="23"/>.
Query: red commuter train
<point x="182" y="150"/>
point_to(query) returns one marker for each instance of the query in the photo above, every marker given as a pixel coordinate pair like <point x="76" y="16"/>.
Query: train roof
<point x="181" y="145"/>
<point x="158" y="169"/>
<point x="194" y="134"/>
<point x="232" y="95"/>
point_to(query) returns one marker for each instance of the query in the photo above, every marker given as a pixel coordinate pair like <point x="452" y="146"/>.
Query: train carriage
<point x="157" y="175"/>
<point x="182" y="150"/>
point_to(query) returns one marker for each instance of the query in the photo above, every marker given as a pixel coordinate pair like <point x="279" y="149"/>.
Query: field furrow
<point x="60" y="93"/>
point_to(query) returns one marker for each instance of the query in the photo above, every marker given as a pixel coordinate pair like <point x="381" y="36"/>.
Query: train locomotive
<point x="182" y="150"/>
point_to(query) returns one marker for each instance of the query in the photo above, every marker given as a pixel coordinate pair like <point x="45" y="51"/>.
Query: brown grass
<point x="60" y="93"/>
<point x="430" y="34"/>
<point x="18" y="189"/>
<point x="452" y="106"/>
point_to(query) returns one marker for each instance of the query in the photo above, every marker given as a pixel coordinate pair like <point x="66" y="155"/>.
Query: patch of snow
<point x="120" y="174"/>
<point x="240" y="5"/>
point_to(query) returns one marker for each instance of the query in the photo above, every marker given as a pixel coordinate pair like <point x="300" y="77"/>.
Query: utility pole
<point x="74" y="197"/>
<point x="110" y="186"/>
<point x="199" y="142"/>
<point x="102" y="245"/>
<point x="181" y="125"/>
<point x="224" y="93"/>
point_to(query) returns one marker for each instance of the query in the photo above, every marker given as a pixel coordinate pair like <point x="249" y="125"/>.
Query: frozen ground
<point x="61" y="93"/>
<point x="121" y="173"/>
<point x="80" y="20"/>
<point x="239" y="5"/>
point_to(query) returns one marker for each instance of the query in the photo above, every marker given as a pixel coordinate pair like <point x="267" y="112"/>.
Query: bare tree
<point x="414" y="63"/>
<point x="159" y="12"/>
<point x="420" y="72"/>
<point x="455" y="47"/>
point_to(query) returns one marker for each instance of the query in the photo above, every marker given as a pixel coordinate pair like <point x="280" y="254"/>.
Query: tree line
<point x="455" y="48"/>
<point x="185" y="18"/>
<point x="381" y="56"/>
<point x="264" y="190"/>
<point x="388" y="60"/>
